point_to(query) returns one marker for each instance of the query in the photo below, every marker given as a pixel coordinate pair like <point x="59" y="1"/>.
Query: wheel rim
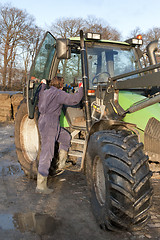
<point x="99" y="180"/>
<point x="29" y="138"/>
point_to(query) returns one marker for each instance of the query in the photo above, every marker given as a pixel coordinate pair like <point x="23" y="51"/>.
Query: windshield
<point x="108" y="61"/>
<point x="103" y="61"/>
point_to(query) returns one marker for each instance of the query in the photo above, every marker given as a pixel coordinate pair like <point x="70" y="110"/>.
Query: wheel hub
<point x="29" y="138"/>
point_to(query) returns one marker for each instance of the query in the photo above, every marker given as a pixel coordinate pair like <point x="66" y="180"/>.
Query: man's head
<point x="57" y="82"/>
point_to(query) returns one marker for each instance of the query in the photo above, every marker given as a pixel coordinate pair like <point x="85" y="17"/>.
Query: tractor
<point x="115" y="129"/>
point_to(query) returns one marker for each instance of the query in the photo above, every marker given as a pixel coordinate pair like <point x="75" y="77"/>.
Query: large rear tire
<point x="119" y="180"/>
<point x="27" y="141"/>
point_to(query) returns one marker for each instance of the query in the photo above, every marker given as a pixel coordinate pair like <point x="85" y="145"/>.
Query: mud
<point x="64" y="215"/>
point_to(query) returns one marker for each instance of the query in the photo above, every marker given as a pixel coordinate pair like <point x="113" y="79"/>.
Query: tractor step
<point x="75" y="153"/>
<point x="74" y="133"/>
<point x="79" y="141"/>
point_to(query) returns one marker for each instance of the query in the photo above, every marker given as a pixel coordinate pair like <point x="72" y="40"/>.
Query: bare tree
<point x="151" y="35"/>
<point x="98" y="25"/>
<point x="148" y="36"/>
<point x="29" y="49"/>
<point x="67" y="27"/>
<point x="70" y="27"/>
<point x="15" y="29"/>
<point x="111" y="33"/>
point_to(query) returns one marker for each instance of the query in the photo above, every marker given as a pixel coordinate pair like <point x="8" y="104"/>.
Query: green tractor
<point x="115" y="129"/>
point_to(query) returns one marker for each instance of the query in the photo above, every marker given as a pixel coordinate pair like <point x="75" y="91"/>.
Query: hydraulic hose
<point x="143" y="104"/>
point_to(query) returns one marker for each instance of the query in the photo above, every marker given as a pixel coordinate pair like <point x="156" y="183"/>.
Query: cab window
<point x="71" y="68"/>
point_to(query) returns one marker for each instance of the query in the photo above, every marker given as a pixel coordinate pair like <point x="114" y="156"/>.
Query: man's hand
<point x="44" y="81"/>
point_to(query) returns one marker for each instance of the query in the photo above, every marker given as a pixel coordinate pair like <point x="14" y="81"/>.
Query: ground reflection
<point x="30" y="222"/>
<point x="10" y="170"/>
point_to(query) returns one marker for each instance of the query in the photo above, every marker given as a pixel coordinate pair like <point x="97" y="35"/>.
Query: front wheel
<point x="27" y="141"/>
<point x="119" y="180"/>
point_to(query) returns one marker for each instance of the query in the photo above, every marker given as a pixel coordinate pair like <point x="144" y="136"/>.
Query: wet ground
<point x="63" y="215"/>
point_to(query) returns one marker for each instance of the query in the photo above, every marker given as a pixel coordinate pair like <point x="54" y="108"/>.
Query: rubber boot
<point x="42" y="185"/>
<point x="62" y="159"/>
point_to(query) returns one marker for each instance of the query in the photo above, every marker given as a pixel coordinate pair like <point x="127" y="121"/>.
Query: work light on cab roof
<point x="135" y="41"/>
<point x="93" y="36"/>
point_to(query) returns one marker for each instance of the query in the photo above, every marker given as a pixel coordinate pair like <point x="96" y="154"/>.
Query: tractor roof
<point x="100" y="41"/>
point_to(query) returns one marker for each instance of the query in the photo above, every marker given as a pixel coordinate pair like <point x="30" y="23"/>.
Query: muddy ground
<point x="63" y="215"/>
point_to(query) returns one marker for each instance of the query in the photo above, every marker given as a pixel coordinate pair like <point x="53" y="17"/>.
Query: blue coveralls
<point x="50" y="105"/>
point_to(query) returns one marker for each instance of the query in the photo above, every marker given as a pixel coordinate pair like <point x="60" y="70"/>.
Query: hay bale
<point x="16" y="98"/>
<point x="15" y="101"/>
<point x="5" y="103"/>
<point x="5" y="107"/>
<point x="5" y="118"/>
<point x="4" y="96"/>
<point x="9" y="105"/>
<point x="4" y="111"/>
<point x="5" y="114"/>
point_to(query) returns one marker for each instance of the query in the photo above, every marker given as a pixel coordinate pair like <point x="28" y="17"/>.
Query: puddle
<point x="10" y="170"/>
<point x="6" y="150"/>
<point x="6" y="222"/>
<point x="29" y="222"/>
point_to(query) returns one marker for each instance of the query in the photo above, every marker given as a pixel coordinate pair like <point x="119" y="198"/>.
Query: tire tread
<point x="124" y="161"/>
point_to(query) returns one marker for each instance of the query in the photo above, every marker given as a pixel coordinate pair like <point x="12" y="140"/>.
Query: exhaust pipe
<point x="152" y="47"/>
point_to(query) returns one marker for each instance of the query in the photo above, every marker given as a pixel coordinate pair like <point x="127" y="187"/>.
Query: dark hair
<point x="57" y="82"/>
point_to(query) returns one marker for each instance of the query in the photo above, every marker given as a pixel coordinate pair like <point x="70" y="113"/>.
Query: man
<point x="50" y="104"/>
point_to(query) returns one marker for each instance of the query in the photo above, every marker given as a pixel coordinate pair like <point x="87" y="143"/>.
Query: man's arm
<point x="70" y="99"/>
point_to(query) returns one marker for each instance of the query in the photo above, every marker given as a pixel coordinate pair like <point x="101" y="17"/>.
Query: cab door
<point x="40" y="69"/>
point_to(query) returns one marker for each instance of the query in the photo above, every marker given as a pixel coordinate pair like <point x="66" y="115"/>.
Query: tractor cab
<point x="104" y="59"/>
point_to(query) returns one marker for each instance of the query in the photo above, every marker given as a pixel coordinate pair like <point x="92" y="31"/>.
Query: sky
<point x="123" y="15"/>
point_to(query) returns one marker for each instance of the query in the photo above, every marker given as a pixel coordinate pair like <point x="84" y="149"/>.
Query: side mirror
<point x="63" y="48"/>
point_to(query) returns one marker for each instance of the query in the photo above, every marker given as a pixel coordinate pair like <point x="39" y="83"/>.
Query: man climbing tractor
<point x="50" y="105"/>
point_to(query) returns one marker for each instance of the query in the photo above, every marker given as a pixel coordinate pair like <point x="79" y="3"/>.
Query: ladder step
<point x="79" y="141"/>
<point x="74" y="133"/>
<point x="75" y="153"/>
